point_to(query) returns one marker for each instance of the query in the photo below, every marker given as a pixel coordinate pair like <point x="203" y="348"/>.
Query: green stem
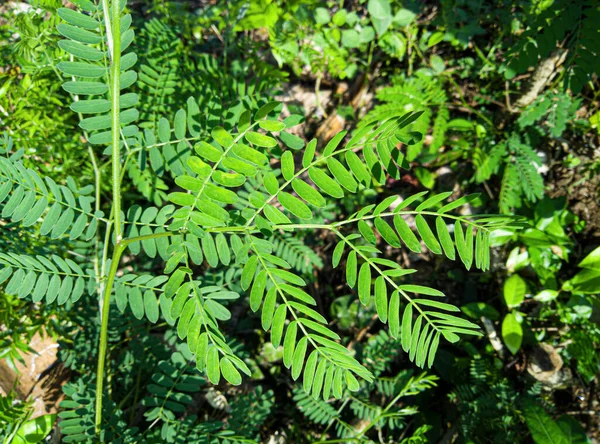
<point x="113" y="29"/>
<point x="114" y="266"/>
<point x="115" y="92"/>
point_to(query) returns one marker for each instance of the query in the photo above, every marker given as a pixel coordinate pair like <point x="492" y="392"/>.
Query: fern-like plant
<point x="207" y="223"/>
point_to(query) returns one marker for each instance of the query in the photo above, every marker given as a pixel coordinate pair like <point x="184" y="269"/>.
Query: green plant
<point x="205" y="225"/>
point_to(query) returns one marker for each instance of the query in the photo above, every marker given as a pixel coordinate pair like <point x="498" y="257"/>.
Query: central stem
<point x="113" y="28"/>
<point x="115" y="92"/>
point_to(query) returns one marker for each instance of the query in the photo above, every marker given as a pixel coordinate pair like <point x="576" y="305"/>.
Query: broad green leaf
<point x="512" y="333"/>
<point x="514" y="291"/>
<point x="151" y="306"/>
<point x="542" y="427"/>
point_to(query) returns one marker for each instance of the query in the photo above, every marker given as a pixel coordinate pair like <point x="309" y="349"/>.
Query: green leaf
<point x="259" y="139"/>
<point x="264" y="110"/>
<point x="406" y="234"/>
<point x="445" y="238"/>
<point x="465" y="253"/>
<point x="337" y="253"/>
<point x="85" y="88"/>
<point x="268" y="309"/>
<point x="514" y="291"/>
<point x="342" y="175"/>
<point x="406" y="327"/>
<point x="291" y="141"/>
<point x="289" y="343"/>
<point x="381" y="15"/>
<point x="309" y="153"/>
<point x="364" y="283"/>
<point x="278" y="325"/>
<point x="432" y="200"/>
<point x="82" y="51"/>
<point x="367" y="232"/>
<point x="325" y="183"/>
<point x="394" y="314"/>
<point x="213" y="370"/>
<point x="543" y="429"/>
<point x="308" y="193"/>
<point x="78" y="34"/>
<point x="419" y="289"/>
<point x="151" y="306"/>
<point x="222" y="137"/>
<point x="298" y="359"/>
<point x="381" y="298"/>
<point x="294" y="205"/>
<point x="512" y="333"/>
<point x="351" y="267"/>
<point x="271" y="125"/>
<point x="287" y="165"/>
<point x="309" y="371"/>
<point x="248" y="272"/>
<point x="258" y="290"/>
<point x="427" y="235"/>
<point x="319" y="378"/>
<point x="230" y="373"/>
<point x="387" y="232"/>
<point x="81" y="69"/>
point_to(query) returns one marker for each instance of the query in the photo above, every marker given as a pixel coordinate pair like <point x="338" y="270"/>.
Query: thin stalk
<point x="115" y="92"/>
<point x="114" y="266"/>
<point x="113" y="29"/>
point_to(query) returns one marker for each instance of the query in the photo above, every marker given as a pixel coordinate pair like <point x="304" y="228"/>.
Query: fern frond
<point x="336" y="171"/>
<point x="87" y="42"/>
<point x="77" y="417"/>
<point x="29" y="199"/>
<point x="55" y="279"/>
<point x="172" y="387"/>
<point x="510" y="191"/>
